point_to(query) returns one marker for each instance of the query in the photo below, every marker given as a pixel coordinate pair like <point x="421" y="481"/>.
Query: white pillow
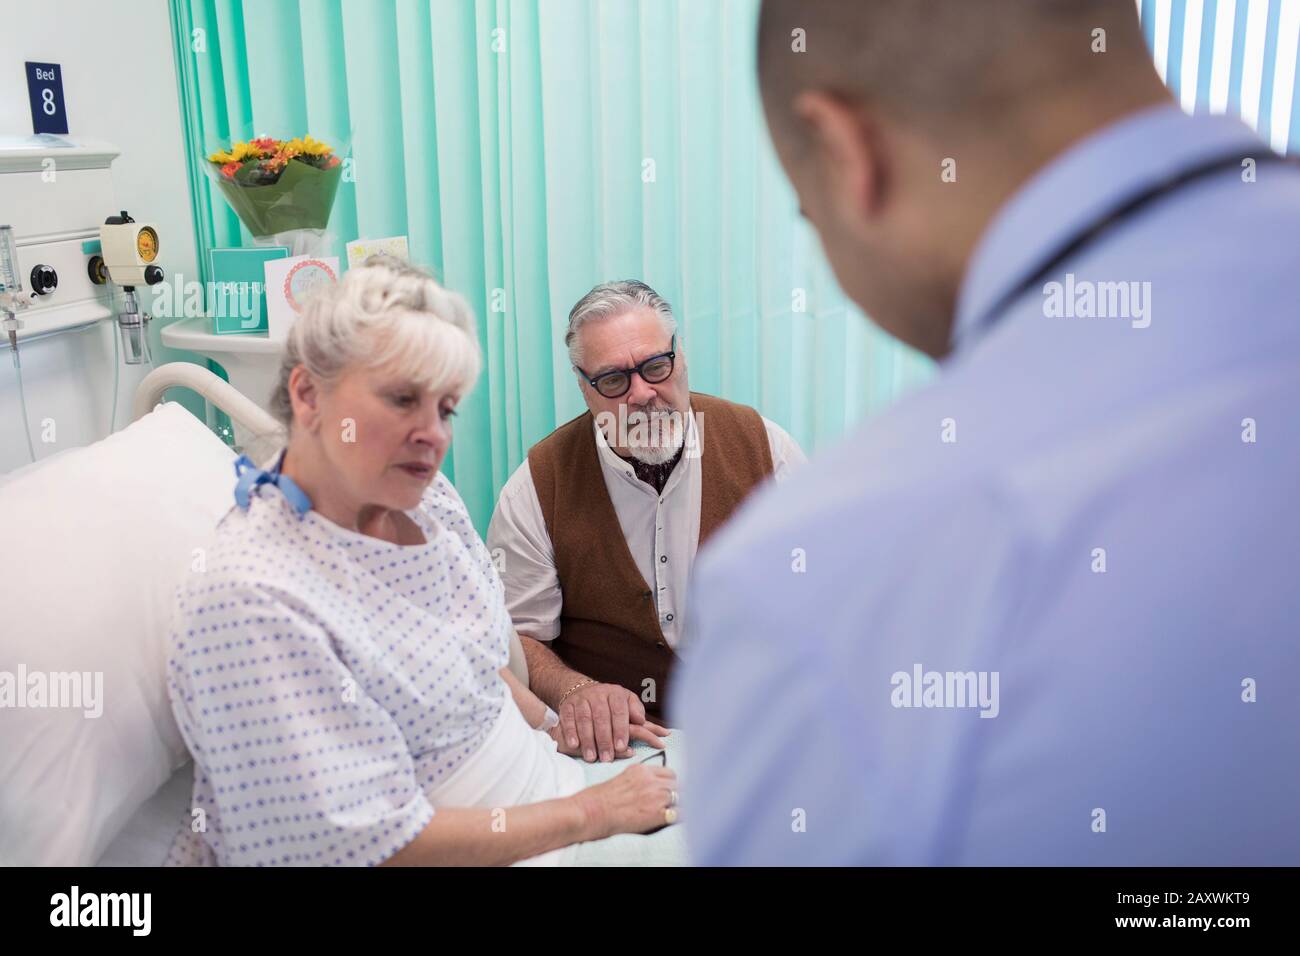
<point x="95" y="545"/>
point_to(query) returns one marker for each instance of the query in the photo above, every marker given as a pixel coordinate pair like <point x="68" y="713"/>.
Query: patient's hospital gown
<point x="325" y="680"/>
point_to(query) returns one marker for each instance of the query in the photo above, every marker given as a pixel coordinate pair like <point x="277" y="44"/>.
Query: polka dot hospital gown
<point x="325" y="681"/>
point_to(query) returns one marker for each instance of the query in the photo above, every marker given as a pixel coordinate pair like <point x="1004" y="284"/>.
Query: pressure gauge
<point x="146" y="244"/>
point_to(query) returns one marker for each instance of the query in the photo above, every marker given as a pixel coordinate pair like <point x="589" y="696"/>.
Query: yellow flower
<point x="237" y="154"/>
<point x="314" y="147"/>
<point x="243" y="151"/>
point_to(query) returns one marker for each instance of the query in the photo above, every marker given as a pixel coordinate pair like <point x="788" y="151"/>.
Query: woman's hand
<point x="632" y="802"/>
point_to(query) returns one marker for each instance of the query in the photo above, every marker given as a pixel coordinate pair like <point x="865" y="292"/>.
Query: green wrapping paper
<point x="301" y="198"/>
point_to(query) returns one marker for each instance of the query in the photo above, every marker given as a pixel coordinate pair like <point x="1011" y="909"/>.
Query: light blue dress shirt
<point x="1091" y="520"/>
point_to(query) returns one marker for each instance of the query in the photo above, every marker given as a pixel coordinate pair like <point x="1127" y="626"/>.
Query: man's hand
<point x="602" y="720"/>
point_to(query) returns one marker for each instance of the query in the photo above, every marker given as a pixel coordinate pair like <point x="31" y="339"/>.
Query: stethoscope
<point x="1122" y="212"/>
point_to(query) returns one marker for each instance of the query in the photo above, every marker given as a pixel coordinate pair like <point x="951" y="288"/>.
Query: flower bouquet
<point x="282" y="190"/>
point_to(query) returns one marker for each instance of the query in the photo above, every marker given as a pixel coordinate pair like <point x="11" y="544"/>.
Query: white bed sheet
<point x="148" y="835"/>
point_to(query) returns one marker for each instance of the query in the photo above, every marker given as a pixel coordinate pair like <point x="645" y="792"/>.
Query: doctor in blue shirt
<point x="1047" y="610"/>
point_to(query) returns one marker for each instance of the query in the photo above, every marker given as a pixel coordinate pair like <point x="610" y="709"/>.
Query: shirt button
<point x="663" y="558"/>
<point x="670" y="617"/>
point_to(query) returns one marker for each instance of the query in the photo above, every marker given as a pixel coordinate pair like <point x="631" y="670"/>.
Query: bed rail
<point x="242" y="409"/>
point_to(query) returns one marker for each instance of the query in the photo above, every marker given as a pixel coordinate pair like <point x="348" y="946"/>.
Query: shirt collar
<point x="1078" y="188"/>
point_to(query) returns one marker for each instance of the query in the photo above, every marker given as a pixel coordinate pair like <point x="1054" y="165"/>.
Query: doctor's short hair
<point x="947" y="66"/>
<point x="614" y="298"/>
<point x="383" y="313"/>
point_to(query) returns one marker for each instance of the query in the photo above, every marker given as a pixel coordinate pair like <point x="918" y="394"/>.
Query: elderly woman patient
<point x="338" y="667"/>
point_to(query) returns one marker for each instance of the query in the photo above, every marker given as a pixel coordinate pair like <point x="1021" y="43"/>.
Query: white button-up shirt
<point x="661" y="530"/>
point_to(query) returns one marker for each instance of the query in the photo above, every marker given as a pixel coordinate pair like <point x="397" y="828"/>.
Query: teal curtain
<point x="529" y="157"/>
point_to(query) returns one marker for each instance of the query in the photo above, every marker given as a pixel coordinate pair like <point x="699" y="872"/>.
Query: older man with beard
<point x="596" y="532"/>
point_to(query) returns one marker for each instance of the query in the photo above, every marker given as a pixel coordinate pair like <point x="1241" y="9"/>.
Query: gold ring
<point x="670" y="816"/>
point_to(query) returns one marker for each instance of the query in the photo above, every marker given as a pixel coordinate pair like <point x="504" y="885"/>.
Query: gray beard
<point x="661" y="454"/>
<point x="654" y="456"/>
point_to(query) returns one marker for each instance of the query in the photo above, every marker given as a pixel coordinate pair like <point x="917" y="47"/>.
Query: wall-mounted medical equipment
<point x="55" y="193"/>
<point x="126" y="258"/>
<point x="58" y="198"/>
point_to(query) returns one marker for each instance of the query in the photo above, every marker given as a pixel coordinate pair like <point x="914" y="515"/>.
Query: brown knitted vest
<point x="609" y="629"/>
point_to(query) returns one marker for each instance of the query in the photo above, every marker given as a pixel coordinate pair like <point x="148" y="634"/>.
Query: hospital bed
<point x="96" y="540"/>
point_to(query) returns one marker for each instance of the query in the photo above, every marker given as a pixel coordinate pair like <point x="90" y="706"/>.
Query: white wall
<point x="119" y="86"/>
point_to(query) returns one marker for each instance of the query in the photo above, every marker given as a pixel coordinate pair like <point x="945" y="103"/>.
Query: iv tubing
<point x="22" y="403"/>
<point x="117" y="371"/>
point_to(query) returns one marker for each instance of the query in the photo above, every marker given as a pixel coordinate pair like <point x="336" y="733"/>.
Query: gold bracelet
<point x="582" y="683"/>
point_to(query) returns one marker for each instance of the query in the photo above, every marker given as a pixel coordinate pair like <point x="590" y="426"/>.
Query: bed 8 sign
<point x="45" y="91"/>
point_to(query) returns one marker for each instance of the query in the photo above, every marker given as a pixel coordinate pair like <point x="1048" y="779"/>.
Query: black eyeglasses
<point x="655" y="369"/>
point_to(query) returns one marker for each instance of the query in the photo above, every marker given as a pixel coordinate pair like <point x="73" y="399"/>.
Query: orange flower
<point x="265" y="143"/>
<point x="230" y="169"/>
<point x="277" y="162"/>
